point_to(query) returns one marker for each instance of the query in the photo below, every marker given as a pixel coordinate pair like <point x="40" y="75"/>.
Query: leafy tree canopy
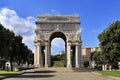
<point x="12" y="49"/>
<point x="110" y="43"/>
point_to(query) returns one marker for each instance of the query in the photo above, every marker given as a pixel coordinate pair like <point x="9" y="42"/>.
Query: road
<point x="60" y="74"/>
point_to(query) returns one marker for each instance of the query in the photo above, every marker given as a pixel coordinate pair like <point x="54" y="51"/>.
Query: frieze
<point x="63" y="27"/>
<point x="45" y="27"/>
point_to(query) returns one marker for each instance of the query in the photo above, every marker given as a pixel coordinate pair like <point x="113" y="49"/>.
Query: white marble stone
<point x="50" y="26"/>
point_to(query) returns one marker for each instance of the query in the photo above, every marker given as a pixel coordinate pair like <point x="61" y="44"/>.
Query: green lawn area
<point x="58" y="64"/>
<point x="111" y="73"/>
<point x="8" y="73"/>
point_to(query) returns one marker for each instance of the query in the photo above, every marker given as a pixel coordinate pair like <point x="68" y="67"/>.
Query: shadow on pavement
<point x="83" y="70"/>
<point x="42" y="71"/>
<point x="34" y="74"/>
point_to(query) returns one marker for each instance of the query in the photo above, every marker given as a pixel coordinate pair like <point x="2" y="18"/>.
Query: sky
<point x="95" y="16"/>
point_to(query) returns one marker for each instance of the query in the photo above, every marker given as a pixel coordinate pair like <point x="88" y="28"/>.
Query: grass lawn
<point x="58" y="64"/>
<point x="8" y="73"/>
<point x="111" y="73"/>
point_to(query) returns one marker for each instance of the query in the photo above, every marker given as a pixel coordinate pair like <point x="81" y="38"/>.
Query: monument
<point x="49" y="27"/>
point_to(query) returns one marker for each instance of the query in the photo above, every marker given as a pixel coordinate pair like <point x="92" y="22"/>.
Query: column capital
<point x="35" y="43"/>
<point x="38" y="43"/>
<point x="69" y="43"/>
<point x="77" y="44"/>
<point x="46" y="43"/>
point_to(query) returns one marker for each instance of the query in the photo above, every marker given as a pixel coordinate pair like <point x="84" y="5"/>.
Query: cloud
<point x="58" y="45"/>
<point x="58" y="42"/>
<point x="21" y="26"/>
<point x="24" y="27"/>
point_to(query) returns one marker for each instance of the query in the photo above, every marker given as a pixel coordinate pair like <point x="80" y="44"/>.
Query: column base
<point x="46" y="66"/>
<point x="37" y="65"/>
<point x="69" y="66"/>
<point x="77" y="66"/>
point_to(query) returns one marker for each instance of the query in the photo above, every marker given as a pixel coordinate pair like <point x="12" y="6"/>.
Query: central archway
<point x="63" y="37"/>
<point x="52" y="26"/>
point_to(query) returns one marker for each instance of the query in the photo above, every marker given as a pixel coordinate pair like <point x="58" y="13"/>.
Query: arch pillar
<point x="69" y="65"/>
<point x="80" y="49"/>
<point x="47" y="55"/>
<point x="77" y="55"/>
<point x="37" y="55"/>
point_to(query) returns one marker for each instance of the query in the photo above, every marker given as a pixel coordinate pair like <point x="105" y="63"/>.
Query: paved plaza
<point x="60" y="74"/>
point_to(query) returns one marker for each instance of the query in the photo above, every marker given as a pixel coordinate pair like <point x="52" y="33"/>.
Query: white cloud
<point x="58" y="42"/>
<point x="24" y="26"/>
<point x="58" y="45"/>
<point x="21" y="26"/>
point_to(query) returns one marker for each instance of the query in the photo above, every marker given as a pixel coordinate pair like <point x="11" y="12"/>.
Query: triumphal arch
<point x="49" y="27"/>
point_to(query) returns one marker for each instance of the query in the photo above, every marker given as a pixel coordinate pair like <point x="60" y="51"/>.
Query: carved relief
<point x="45" y="27"/>
<point x="69" y="27"/>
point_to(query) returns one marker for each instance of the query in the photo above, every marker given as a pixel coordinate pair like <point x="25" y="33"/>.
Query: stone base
<point x="77" y="66"/>
<point x="69" y="66"/>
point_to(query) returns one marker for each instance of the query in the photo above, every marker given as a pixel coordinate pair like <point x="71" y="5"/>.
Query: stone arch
<point x="51" y="26"/>
<point x="59" y="34"/>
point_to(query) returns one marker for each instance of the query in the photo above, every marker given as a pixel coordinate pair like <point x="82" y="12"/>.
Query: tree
<point x="6" y="40"/>
<point x="12" y="49"/>
<point x="110" y="44"/>
<point x="97" y="57"/>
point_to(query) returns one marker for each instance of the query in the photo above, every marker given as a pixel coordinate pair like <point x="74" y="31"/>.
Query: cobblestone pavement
<point x="60" y="74"/>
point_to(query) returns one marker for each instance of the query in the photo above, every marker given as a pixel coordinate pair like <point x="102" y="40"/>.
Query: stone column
<point x="49" y="56"/>
<point x="35" y="55"/>
<point x="77" y="56"/>
<point x="69" y="55"/>
<point x="65" y="55"/>
<point x="80" y="55"/>
<point x="46" y="54"/>
<point x="38" y="55"/>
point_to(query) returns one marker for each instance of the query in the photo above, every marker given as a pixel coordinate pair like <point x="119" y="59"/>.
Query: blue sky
<point x="95" y="16"/>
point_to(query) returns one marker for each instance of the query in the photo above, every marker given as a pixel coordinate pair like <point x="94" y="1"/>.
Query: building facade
<point x="86" y="53"/>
